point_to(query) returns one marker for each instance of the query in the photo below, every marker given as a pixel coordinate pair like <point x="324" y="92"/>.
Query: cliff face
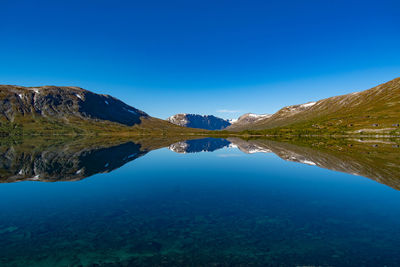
<point x="62" y="103"/>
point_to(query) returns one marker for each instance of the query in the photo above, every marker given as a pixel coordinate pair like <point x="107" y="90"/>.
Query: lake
<point x="200" y="202"/>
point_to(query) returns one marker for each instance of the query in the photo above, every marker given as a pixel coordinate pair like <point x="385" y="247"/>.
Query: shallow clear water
<point x="221" y="208"/>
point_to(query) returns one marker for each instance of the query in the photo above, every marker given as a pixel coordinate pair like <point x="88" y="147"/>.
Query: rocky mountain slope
<point x="207" y="122"/>
<point x="63" y="102"/>
<point x="371" y="111"/>
<point x="65" y="110"/>
<point x="53" y="109"/>
<point x="248" y="119"/>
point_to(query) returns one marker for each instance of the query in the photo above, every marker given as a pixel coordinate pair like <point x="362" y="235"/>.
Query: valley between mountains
<point x="55" y="110"/>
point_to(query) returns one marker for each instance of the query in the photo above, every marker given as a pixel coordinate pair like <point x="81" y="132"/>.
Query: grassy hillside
<point x="374" y="111"/>
<point x="31" y="125"/>
<point x="53" y="110"/>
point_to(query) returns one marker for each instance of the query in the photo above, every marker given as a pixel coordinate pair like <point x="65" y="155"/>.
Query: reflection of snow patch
<point x="132" y="155"/>
<point x="107" y="164"/>
<point x="258" y="150"/>
<point x="79" y="171"/>
<point x="179" y="147"/>
<point x="105" y="101"/>
<point x="20" y="172"/>
<point x="308" y="162"/>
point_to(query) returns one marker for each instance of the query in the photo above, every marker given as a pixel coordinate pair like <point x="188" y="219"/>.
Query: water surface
<point x="208" y="202"/>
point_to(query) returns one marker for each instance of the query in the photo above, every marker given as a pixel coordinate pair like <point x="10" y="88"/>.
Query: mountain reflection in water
<point x="73" y="160"/>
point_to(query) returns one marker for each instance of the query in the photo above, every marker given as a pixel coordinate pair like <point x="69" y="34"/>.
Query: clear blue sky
<point x="207" y="56"/>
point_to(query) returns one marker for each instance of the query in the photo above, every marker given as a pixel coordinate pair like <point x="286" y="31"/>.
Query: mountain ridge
<point x="247" y="119"/>
<point x="206" y="122"/>
<point x="62" y="101"/>
<point x="366" y="111"/>
<point x="72" y="110"/>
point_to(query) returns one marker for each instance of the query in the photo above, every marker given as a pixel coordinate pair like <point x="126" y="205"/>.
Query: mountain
<point x="62" y="102"/>
<point x="73" y="110"/>
<point x="54" y="109"/>
<point x="371" y="111"/>
<point x="248" y="119"/>
<point x="207" y="122"/>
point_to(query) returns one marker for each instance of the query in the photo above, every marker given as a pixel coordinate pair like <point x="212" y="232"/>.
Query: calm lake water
<point x="209" y="202"/>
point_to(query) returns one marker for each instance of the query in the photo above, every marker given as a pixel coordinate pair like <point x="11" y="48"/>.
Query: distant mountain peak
<point x="248" y="118"/>
<point x="207" y="122"/>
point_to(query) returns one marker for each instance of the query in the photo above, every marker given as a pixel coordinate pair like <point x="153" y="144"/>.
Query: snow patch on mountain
<point x="131" y="111"/>
<point x="259" y="116"/>
<point x="249" y="118"/>
<point x="258" y="149"/>
<point x="309" y="104"/>
<point x="34" y="89"/>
